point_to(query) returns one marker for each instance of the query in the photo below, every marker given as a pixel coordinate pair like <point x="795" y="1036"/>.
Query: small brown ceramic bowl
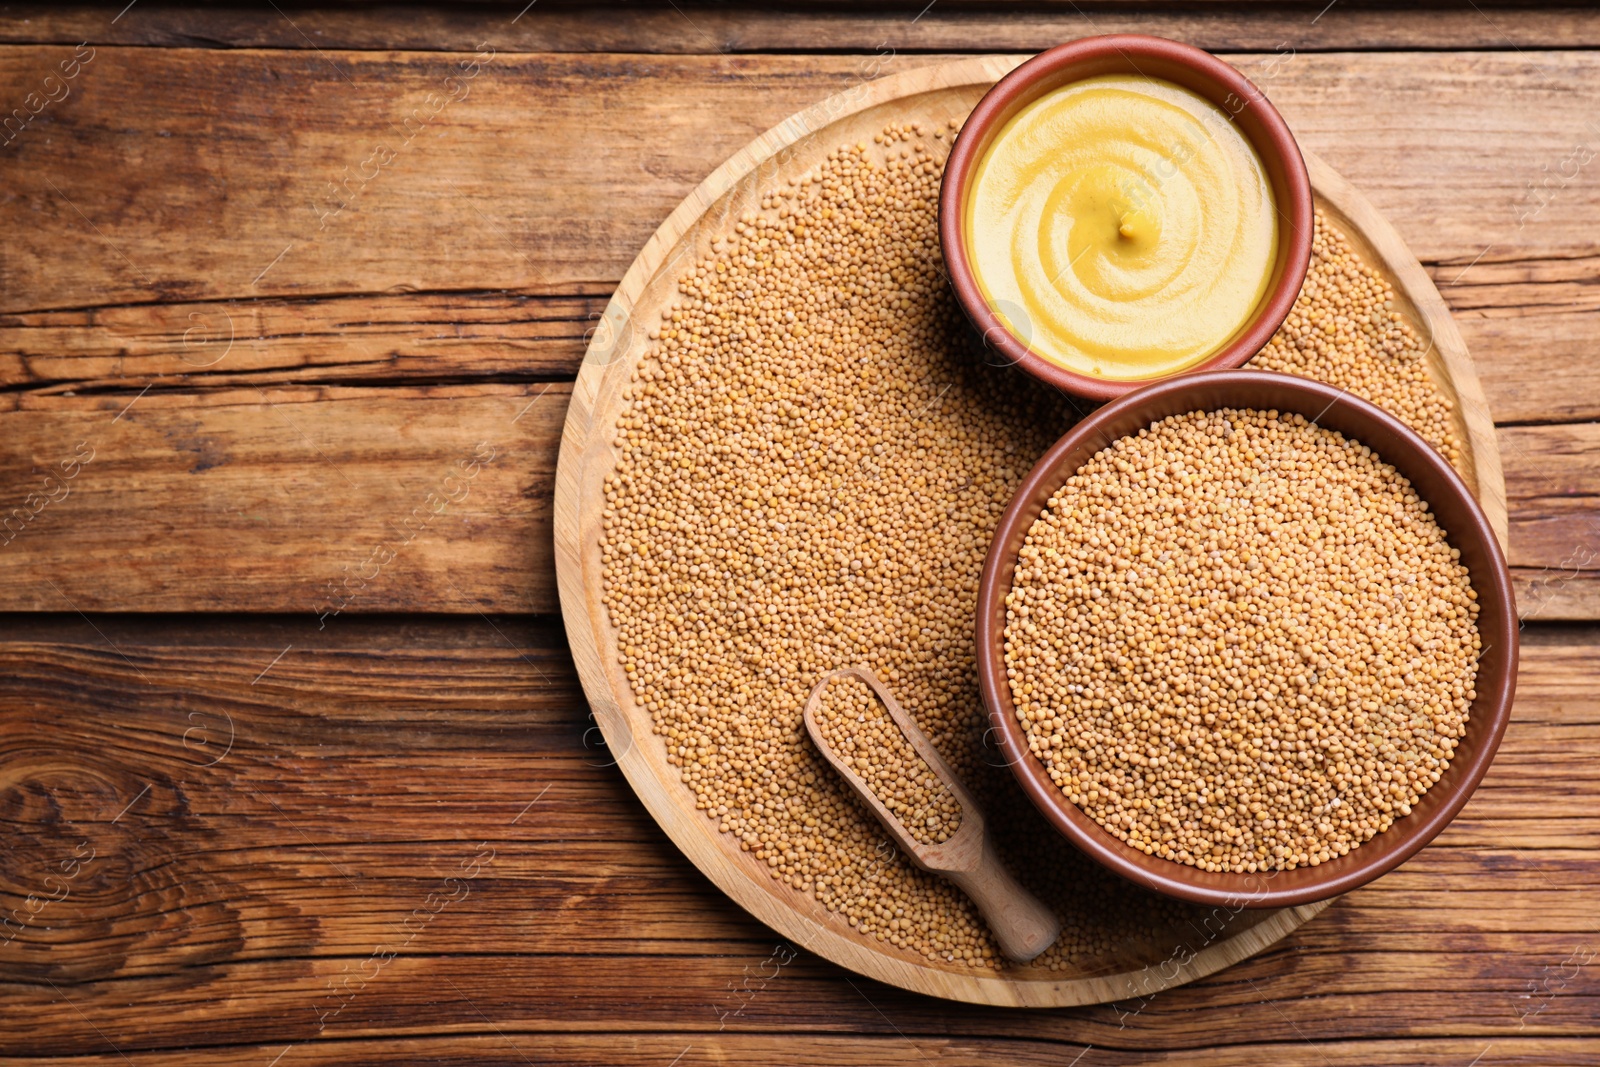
<point x="1195" y="70"/>
<point x="1452" y="505"/>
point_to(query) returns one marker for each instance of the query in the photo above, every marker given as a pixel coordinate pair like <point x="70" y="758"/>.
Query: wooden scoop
<point x="1022" y="926"/>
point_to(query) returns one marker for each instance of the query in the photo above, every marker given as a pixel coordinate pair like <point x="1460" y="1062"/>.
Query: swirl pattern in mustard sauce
<point x="1122" y="227"/>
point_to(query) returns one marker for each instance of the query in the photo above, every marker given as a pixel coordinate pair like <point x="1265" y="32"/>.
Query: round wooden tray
<point x="933" y="95"/>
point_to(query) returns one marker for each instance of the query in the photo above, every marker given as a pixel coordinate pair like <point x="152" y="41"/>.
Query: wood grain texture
<point x="1554" y="477"/>
<point x="516" y="1045"/>
<point x="320" y="500"/>
<point x="207" y="198"/>
<point x="1518" y="314"/>
<point x="690" y="27"/>
<point x="374" y="339"/>
<point x="371" y="759"/>
<point x="365" y="773"/>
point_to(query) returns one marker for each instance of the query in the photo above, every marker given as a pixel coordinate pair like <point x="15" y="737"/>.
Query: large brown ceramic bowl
<point x="1200" y="72"/>
<point x="1457" y="513"/>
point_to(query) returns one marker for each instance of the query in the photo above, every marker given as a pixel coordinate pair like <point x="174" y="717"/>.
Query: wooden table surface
<point x="294" y="768"/>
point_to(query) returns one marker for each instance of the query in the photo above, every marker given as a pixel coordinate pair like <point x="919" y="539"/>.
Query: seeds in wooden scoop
<point x="857" y="727"/>
<point x="1345" y="330"/>
<point x="1240" y="641"/>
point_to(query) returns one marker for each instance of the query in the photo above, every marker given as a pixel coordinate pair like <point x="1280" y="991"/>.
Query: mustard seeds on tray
<point x="808" y="477"/>
<point x="808" y="474"/>
<point x="1240" y="641"/>
<point x="861" y="733"/>
<point x="1345" y="330"/>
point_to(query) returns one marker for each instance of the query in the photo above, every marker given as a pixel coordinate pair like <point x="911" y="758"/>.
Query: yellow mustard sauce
<point x="1122" y="227"/>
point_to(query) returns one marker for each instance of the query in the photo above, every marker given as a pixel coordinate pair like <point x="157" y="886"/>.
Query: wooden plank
<point x="907" y="27"/>
<point x="268" y="805"/>
<point x="1544" y="322"/>
<point x="389" y="337"/>
<point x="314" y="173"/>
<point x="1553" y="480"/>
<point x="514" y="1044"/>
<point x="314" y="500"/>
<point x="261" y="498"/>
<point x="1530" y="326"/>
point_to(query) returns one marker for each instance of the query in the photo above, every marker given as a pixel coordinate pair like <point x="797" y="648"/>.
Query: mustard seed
<point x="1345" y="329"/>
<point x="809" y="471"/>
<point x="1240" y="641"/>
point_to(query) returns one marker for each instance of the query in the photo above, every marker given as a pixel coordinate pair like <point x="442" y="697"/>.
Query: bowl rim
<point x="1272" y="140"/>
<point x="1497" y="622"/>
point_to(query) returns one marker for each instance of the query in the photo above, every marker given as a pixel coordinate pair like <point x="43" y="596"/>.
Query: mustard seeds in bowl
<point x="1240" y="641"/>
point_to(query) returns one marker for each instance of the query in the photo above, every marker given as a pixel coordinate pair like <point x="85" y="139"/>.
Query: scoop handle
<point x="1021" y="925"/>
